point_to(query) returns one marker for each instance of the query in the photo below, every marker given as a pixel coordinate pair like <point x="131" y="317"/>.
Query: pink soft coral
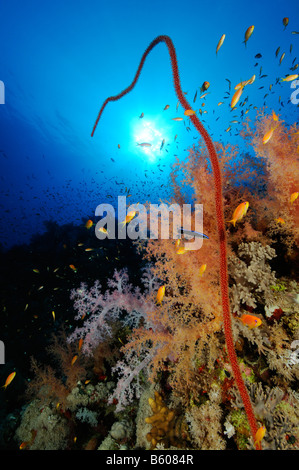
<point x="120" y="302"/>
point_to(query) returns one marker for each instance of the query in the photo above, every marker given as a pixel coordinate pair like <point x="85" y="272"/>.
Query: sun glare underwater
<point x="111" y="340"/>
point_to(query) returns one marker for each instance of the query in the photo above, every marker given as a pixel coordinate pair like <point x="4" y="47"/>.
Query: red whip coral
<point x="219" y="215"/>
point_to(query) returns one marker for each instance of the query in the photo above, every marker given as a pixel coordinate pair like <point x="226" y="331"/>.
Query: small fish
<point x="236" y="97"/>
<point x="89" y="224"/>
<point x="258" y="56"/>
<point x="166" y="107"/>
<point x="279" y="220"/>
<point x="285" y="22"/>
<point x="103" y="230"/>
<point x="274" y="115"/>
<point x="220" y="42"/>
<point x="294" y="197"/>
<point x="177" y="119"/>
<point x="160" y="294"/>
<point x="295" y="32"/>
<point x="53" y="315"/>
<point x="73" y="267"/>
<point x="247" y="82"/>
<point x="35" y="270"/>
<point x="118" y="146"/>
<point x="192" y="233"/>
<point x="129" y="217"/>
<point x="229" y="83"/>
<point x="239" y="212"/>
<point x="250" y="320"/>
<point x="89" y="249"/>
<point x="281" y="58"/>
<point x="30" y="442"/>
<point x="141" y="115"/>
<point x="74" y="360"/>
<point x="248" y="33"/>
<point x="260" y="433"/>
<point x="290" y="78"/>
<point x="202" y="269"/>
<point x="204" y="87"/>
<point x="181" y="251"/>
<point x="9" y="380"/>
<point x="80" y="344"/>
<point x="162" y="144"/>
<point x="277" y="51"/>
<point x="144" y="144"/>
<point x="268" y="135"/>
<point x="189" y="112"/>
<point x="195" y="96"/>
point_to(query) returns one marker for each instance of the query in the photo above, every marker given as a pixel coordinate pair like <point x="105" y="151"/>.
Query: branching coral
<point x="252" y="276"/>
<point x="281" y="162"/>
<point x="218" y="200"/>
<point x="167" y="428"/>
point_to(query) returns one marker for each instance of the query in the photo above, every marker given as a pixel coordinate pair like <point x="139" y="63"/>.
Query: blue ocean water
<point x="59" y="62"/>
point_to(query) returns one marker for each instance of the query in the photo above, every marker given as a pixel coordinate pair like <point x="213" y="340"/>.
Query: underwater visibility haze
<point x="110" y="340"/>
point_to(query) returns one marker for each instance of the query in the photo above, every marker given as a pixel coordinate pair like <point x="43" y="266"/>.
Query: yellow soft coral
<point x="167" y="428"/>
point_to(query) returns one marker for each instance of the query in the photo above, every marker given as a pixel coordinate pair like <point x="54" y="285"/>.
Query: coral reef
<point x="185" y="372"/>
<point x="167" y="428"/>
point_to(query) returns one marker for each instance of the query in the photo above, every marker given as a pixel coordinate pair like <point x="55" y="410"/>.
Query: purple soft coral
<point x="103" y="309"/>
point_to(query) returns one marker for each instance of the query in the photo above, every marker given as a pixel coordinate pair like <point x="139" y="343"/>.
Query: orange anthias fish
<point x="73" y="267"/>
<point x="250" y="320"/>
<point x="89" y="224"/>
<point x="294" y="197"/>
<point x="103" y="230"/>
<point x="221" y="40"/>
<point x="160" y="294"/>
<point x="30" y="442"/>
<point x="290" y="78"/>
<point x="189" y="112"/>
<point x="260" y="433"/>
<point x="248" y="33"/>
<point x="239" y="212"/>
<point x="204" y="86"/>
<point x="268" y="135"/>
<point x="129" y="217"/>
<point x="236" y="97"/>
<point x="9" y="380"/>
<point x="202" y="269"/>
<point x="74" y="360"/>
